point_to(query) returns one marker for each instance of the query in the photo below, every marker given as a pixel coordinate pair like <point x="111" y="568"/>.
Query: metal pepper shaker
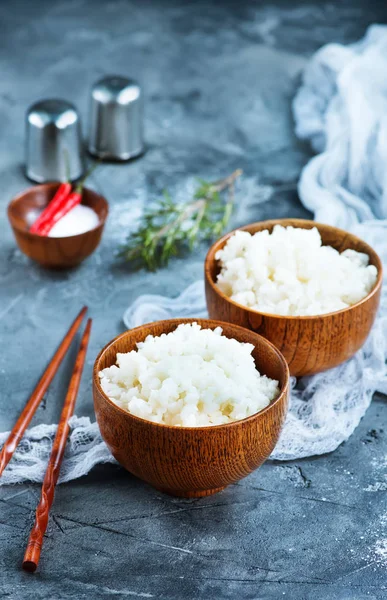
<point x="53" y="142"/>
<point x="116" y="119"/>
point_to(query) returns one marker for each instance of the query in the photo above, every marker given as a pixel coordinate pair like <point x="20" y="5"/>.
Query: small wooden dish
<point x="309" y="344"/>
<point x="53" y="252"/>
<point x="191" y="461"/>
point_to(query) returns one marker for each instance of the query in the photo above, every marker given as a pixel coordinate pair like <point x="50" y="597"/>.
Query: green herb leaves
<point x="169" y="229"/>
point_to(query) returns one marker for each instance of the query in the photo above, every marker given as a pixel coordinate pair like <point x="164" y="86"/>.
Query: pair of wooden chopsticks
<point x="34" y="546"/>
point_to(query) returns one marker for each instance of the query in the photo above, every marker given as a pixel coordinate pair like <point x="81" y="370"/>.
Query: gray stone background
<point x="218" y="78"/>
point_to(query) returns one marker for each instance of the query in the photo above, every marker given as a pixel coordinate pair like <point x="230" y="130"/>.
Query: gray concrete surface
<point x="219" y="79"/>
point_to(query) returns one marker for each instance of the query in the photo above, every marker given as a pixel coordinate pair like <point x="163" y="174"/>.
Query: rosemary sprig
<point x="168" y="228"/>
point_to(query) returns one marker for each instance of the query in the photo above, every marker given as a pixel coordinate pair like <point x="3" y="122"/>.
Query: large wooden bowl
<point x="309" y="344"/>
<point x="53" y="252"/>
<point x="191" y="461"/>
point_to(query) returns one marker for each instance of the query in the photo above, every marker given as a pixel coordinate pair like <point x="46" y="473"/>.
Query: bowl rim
<point x="209" y="261"/>
<point x="284" y="390"/>
<point x="53" y="185"/>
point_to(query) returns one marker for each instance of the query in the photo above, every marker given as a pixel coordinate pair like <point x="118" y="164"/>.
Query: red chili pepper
<point x="72" y="200"/>
<point x="60" y="205"/>
<point x="60" y="195"/>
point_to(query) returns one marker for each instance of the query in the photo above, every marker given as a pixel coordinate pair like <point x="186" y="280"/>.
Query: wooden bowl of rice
<point x="191" y="461"/>
<point x="310" y="344"/>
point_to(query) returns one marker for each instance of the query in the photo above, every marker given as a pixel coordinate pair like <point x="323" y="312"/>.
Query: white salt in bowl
<point x="54" y="252"/>
<point x="310" y="344"/>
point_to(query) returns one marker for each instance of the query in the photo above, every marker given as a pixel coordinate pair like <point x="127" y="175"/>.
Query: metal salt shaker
<point x="116" y="119"/>
<point x="53" y="142"/>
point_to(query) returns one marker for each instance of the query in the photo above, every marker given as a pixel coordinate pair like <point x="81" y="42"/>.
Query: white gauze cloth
<point x="341" y="108"/>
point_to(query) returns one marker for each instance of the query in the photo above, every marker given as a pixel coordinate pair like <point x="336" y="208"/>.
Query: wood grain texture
<point x="191" y="461"/>
<point x="34" y="545"/>
<point x="309" y="344"/>
<point x="50" y="252"/>
<point x="36" y="397"/>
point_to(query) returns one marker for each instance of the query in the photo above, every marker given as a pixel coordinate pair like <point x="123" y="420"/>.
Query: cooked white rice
<point x="289" y="272"/>
<point x="191" y="377"/>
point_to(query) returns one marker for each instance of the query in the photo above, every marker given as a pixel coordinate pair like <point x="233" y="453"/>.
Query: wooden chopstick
<point x="34" y="546"/>
<point x="29" y="410"/>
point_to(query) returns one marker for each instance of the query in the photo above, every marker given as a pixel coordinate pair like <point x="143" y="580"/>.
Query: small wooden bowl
<point x="49" y="251"/>
<point x="309" y="344"/>
<point x="191" y="461"/>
